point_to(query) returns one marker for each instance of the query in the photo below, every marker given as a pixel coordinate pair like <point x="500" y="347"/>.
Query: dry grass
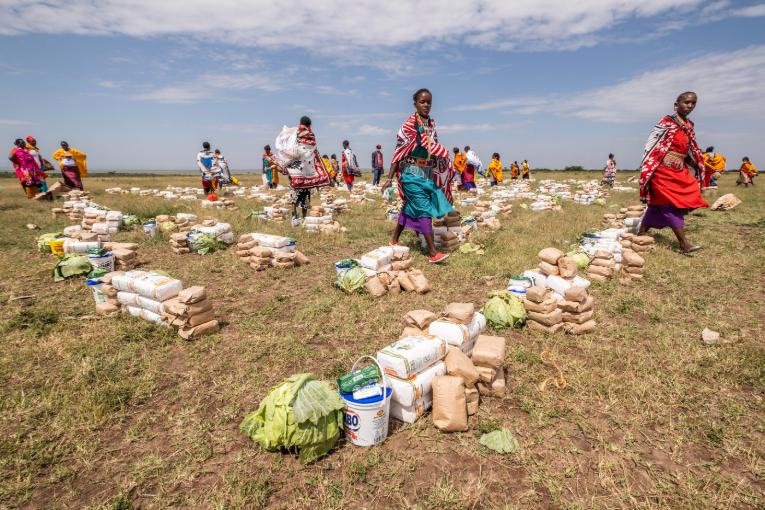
<point x="116" y="413"/>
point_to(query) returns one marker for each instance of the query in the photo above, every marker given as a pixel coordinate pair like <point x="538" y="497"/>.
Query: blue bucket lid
<point x="348" y="397"/>
<point x="93" y="282"/>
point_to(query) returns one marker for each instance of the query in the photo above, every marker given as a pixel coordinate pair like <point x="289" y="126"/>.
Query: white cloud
<point x="727" y="84"/>
<point x="466" y="128"/>
<point x="753" y="11"/>
<point x="109" y="84"/>
<point x="370" y="130"/>
<point x="209" y="86"/>
<point x="357" y="27"/>
<point x="15" y="122"/>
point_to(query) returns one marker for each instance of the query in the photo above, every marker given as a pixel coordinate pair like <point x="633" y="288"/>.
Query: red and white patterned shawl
<point x="320" y="177"/>
<point x="409" y="138"/>
<point x="657" y="146"/>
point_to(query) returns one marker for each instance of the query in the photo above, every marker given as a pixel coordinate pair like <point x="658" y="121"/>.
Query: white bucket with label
<point x="102" y="261"/>
<point x="365" y="421"/>
<point x="95" y="285"/>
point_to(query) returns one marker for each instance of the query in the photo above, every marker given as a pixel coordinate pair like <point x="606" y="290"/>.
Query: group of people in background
<point x="32" y="169"/>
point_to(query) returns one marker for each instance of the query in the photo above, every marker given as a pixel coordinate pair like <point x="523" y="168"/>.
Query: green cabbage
<point x="169" y="226"/>
<point x="504" y="310"/>
<point x="71" y="265"/>
<point x="581" y="258"/>
<point x="500" y="440"/>
<point x="205" y="243"/>
<point x="301" y="414"/>
<point x="351" y="280"/>
<point x="130" y="220"/>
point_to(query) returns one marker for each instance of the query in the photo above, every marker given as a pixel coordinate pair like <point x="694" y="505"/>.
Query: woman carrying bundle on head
<point x="306" y="173"/>
<point x="746" y="173"/>
<point x="666" y="183"/>
<point x="27" y="170"/>
<point x="417" y="157"/>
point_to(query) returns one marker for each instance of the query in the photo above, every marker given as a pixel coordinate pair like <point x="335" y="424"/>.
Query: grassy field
<point x="116" y="413"/>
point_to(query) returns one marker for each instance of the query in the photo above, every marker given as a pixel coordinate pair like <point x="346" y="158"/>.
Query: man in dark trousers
<point x="377" y="165"/>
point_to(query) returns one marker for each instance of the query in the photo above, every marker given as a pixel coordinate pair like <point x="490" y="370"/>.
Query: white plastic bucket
<point x="150" y="229"/>
<point x="340" y="270"/>
<point x="365" y="421"/>
<point x="102" y="261"/>
<point x="98" y="296"/>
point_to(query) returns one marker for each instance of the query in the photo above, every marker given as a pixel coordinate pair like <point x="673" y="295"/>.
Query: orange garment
<point x="460" y="162"/>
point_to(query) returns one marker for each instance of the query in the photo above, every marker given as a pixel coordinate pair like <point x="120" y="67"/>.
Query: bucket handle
<point x="382" y="373"/>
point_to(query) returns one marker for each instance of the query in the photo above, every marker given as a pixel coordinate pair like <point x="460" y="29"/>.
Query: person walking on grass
<point x="73" y="164"/>
<point x="350" y="165"/>
<point x="312" y="173"/>
<point x="746" y="173"/>
<point x="27" y="170"/>
<point x="666" y="183"/>
<point x="525" y="172"/>
<point x="335" y="169"/>
<point x="377" y="165"/>
<point x="416" y="155"/>
<point x="609" y="172"/>
<point x="205" y="160"/>
<point x="495" y="170"/>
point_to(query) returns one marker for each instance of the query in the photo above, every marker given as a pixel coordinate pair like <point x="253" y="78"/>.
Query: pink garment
<point x="26" y="167"/>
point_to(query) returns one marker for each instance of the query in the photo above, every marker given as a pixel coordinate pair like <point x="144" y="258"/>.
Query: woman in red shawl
<point x="27" y="170"/>
<point x="666" y="182"/>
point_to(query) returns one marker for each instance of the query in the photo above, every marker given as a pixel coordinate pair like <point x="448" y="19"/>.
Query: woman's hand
<point x="388" y="184"/>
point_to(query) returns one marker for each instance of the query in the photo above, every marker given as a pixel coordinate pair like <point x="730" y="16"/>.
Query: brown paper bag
<point x="578" y="318"/>
<point x="579" y="329"/>
<point x="458" y="364"/>
<point x="375" y="287"/>
<point x="106" y="309"/>
<point x="600" y="270"/>
<point x="411" y="331"/>
<point x="630" y="258"/>
<point x="394" y="287"/>
<point x="449" y="405"/>
<point x="421" y="285"/>
<point x="405" y="282"/>
<point x="574" y="307"/>
<point x="419" y="318"/>
<point x="596" y="277"/>
<point x="607" y="263"/>
<point x="496" y="387"/>
<point x="401" y="265"/>
<point x="548" y="269"/>
<point x="538" y="294"/>
<point x="259" y="251"/>
<point x="567" y="267"/>
<point x="200" y="318"/>
<point x="547" y="319"/>
<point x="471" y="399"/>
<point x="485" y="374"/>
<point x="643" y="240"/>
<point x="489" y="351"/>
<point x="634" y="270"/>
<point x="301" y="259"/>
<point x="460" y="312"/>
<point x="546" y="306"/>
<point x="188" y="333"/>
<point x="193" y="294"/>
<point x="550" y="255"/>
<point x="535" y="326"/>
<point x="576" y="294"/>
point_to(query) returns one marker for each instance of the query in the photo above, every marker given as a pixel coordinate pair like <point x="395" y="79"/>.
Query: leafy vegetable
<point x="476" y="248"/>
<point x="43" y="240"/>
<point x="302" y="414"/>
<point x="130" y="220"/>
<point x="169" y="226"/>
<point x="71" y="265"/>
<point x="501" y="441"/>
<point x="351" y="280"/>
<point x="504" y="310"/>
<point x="205" y="243"/>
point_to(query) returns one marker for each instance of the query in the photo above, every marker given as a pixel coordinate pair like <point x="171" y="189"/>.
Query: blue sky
<point x="140" y="84"/>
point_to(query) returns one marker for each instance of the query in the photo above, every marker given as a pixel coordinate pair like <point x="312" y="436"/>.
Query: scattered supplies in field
<point x="726" y="202"/>
<point x="387" y="269"/>
<point x="320" y="219"/>
<point x="261" y="251"/>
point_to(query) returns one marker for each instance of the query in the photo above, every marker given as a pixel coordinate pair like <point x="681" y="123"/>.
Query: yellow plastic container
<point x="57" y="247"/>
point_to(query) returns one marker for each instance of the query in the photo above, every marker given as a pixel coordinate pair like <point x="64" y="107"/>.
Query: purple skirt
<point x="660" y="216"/>
<point x="420" y="225"/>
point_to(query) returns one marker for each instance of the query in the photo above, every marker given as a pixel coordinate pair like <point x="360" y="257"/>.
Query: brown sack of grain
<point x="472" y="398"/>
<point x="460" y="312"/>
<point x="600" y="270"/>
<point x="576" y="294"/>
<point x="200" y="318"/>
<point x="489" y="351"/>
<point x="577" y="318"/>
<point x="301" y="259"/>
<point x="419" y="318"/>
<point x="546" y="319"/>
<point x="596" y="277"/>
<point x="550" y="255"/>
<point x="579" y="329"/>
<point x="188" y="333"/>
<point x="535" y="326"/>
<point x="405" y="282"/>
<point x="486" y="374"/>
<point x="449" y="405"/>
<point x="545" y="306"/>
<point x="401" y="265"/>
<point x="421" y="284"/>
<point x="411" y="331"/>
<point x="259" y="251"/>
<point x="575" y="307"/>
<point x="567" y="267"/>
<point x="496" y="388"/>
<point x="458" y="364"/>
<point x="538" y="294"/>
<point x="549" y="269"/>
<point x="375" y="287"/>
<point x="193" y="294"/>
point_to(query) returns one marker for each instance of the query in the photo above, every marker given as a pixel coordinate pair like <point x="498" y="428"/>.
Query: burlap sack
<point x="550" y="255"/>
<point x="600" y="270"/>
<point x="405" y="282"/>
<point x="375" y="287"/>
<point x="421" y="284"/>
<point x="575" y="307"/>
<point x="200" y="318"/>
<point x="188" y="333"/>
<point x="630" y="258"/>
<point x="472" y="399"/>
<point x="419" y="318"/>
<point x="567" y="267"/>
<point x="548" y="269"/>
<point x="411" y="331"/>
<point x="545" y="306"/>
<point x="460" y="312"/>
<point x="577" y="318"/>
<point x="193" y="294"/>
<point x="449" y="405"/>
<point x="547" y="319"/>
<point x="486" y="374"/>
<point x="496" y="388"/>
<point x="535" y="326"/>
<point x="458" y="364"/>
<point x="576" y="293"/>
<point x="401" y="265"/>
<point x="489" y="351"/>
<point x="259" y="251"/>
<point x="538" y="294"/>
<point x="596" y="277"/>
<point x="579" y="329"/>
<point x="598" y="262"/>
